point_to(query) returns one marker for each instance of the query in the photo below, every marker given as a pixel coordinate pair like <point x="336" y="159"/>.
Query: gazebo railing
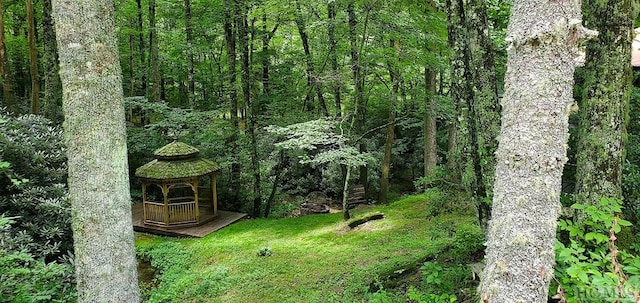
<point x="171" y="214"/>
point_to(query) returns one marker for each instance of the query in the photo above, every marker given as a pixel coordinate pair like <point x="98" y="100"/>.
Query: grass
<point x="314" y="258"/>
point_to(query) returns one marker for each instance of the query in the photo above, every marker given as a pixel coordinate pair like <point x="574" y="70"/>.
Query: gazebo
<point x="171" y="195"/>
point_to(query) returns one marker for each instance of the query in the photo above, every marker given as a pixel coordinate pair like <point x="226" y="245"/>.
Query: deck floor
<point x="209" y="225"/>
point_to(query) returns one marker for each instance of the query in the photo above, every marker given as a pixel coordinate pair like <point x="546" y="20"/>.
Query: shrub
<point x="34" y="148"/>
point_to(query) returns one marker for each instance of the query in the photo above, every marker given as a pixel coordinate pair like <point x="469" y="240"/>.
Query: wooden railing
<point x="178" y="213"/>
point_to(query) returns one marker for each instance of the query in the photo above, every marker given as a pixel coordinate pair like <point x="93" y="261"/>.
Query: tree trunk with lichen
<point x="542" y="53"/>
<point x="33" y="60"/>
<point x="8" y="94"/>
<point x="485" y="109"/>
<point x="604" y="103"/>
<point x="430" y="123"/>
<point x="95" y="135"/>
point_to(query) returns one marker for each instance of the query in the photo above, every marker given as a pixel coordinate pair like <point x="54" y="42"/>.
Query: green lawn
<point x="313" y="258"/>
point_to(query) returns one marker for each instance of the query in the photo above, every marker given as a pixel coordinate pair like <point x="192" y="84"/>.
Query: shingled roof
<point x="176" y="160"/>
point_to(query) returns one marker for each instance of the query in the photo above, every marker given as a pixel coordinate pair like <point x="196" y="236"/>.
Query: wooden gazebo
<point x="171" y="195"/>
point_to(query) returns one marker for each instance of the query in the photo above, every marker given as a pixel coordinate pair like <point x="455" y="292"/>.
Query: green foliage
<point x="34" y="147"/>
<point x="437" y="179"/>
<point x="23" y="278"/>
<point x="177" y="281"/>
<point x="588" y="265"/>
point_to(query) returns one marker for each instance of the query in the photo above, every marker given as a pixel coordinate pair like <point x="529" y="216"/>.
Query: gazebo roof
<point x="176" y="160"/>
<point x="176" y="151"/>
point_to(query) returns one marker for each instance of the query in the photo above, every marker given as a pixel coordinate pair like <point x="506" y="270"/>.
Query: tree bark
<point x="333" y="57"/>
<point x="485" y="109"/>
<point x="430" y="120"/>
<point x="143" y="60"/>
<point x="312" y="83"/>
<point x="394" y="75"/>
<point x="542" y="53"/>
<point x="33" y="60"/>
<point x="252" y="123"/>
<point x="8" y="94"/>
<point x="191" y="86"/>
<point x="52" y="87"/>
<point x="605" y="99"/>
<point x="95" y="136"/>
<point x="230" y="45"/>
<point x="154" y="57"/>
<point x="360" y="106"/>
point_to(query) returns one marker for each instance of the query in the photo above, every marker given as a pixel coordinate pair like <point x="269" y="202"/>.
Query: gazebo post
<point x="214" y="194"/>
<point x="165" y="193"/>
<point x="195" y="196"/>
<point x="144" y="200"/>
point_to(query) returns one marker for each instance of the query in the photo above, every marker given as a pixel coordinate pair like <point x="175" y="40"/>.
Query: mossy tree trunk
<point x="191" y="85"/>
<point x="485" y="108"/>
<point x="95" y="135"/>
<point x="430" y="123"/>
<point x="475" y="95"/>
<point x="542" y="55"/>
<point x="603" y="108"/>
<point x="230" y="45"/>
<point x="52" y="88"/>
<point x="313" y="85"/>
<point x="394" y="75"/>
<point x="154" y="55"/>
<point x="33" y="60"/>
<point x="333" y="57"/>
<point x="8" y="93"/>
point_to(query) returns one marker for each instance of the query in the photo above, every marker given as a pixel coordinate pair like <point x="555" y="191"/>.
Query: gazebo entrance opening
<point x="178" y="187"/>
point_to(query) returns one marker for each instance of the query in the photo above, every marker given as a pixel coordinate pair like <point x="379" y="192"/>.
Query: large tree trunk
<point x="96" y="142"/>
<point x="333" y="57"/>
<point x="8" y="94"/>
<point x="154" y="57"/>
<point x="430" y="119"/>
<point x="191" y="86"/>
<point x="33" y="61"/>
<point x="607" y="89"/>
<point x="542" y="55"/>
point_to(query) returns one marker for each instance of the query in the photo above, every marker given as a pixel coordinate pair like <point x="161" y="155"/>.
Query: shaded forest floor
<point x="315" y="258"/>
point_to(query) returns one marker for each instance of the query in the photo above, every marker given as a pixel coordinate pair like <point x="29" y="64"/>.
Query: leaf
<point x="623" y="222"/>
<point x="577" y="206"/>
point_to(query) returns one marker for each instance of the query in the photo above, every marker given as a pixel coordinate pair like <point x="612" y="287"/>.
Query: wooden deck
<point x="209" y="223"/>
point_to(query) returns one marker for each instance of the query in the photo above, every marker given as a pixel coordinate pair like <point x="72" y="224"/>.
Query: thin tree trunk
<point x="452" y="161"/>
<point x="190" y="69"/>
<point x="132" y="78"/>
<point x="360" y="106"/>
<point x="143" y="60"/>
<point x="542" y="56"/>
<point x="8" y="94"/>
<point x="252" y="124"/>
<point x="391" y="124"/>
<point x="312" y="83"/>
<point x="467" y="150"/>
<point x="52" y="87"/>
<point x="485" y="109"/>
<point x="96" y="140"/>
<point x="605" y="101"/>
<point x="333" y="57"/>
<point x="153" y="47"/>
<point x="33" y="60"/>
<point x="345" y="194"/>
<point x="230" y="45"/>
<point x="430" y="119"/>
<point x="277" y="172"/>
